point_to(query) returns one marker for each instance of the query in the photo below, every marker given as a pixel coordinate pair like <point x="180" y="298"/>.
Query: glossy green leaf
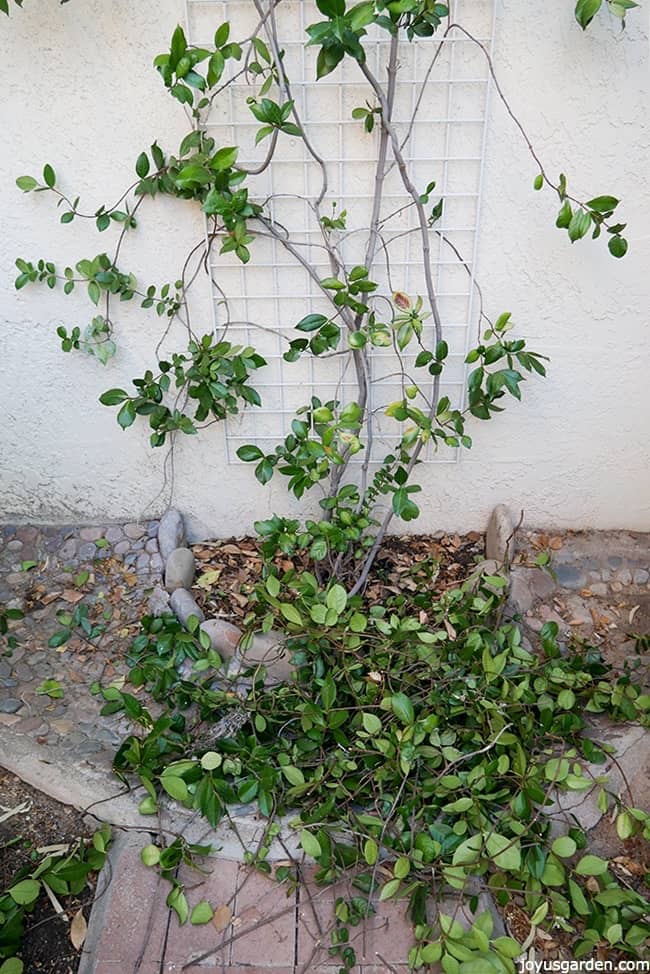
<point x="201" y="914"/>
<point x="310" y="844"/>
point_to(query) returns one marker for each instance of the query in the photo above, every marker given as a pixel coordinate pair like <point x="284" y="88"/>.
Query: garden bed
<point x="227" y="570"/>
<point x="41" y="822"/>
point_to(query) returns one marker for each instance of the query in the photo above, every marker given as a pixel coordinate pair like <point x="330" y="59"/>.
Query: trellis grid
<point x="446" y="143"/>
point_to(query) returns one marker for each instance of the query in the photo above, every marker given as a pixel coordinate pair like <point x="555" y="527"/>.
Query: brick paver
<point x="273" y="929"/>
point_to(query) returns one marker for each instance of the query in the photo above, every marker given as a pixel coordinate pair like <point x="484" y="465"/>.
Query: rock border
<point x="179" y="570"/>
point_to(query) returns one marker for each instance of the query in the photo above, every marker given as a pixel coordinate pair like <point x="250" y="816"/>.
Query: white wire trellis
<point x="446" y="143"/>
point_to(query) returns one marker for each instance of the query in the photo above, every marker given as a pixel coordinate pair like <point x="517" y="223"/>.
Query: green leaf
<point x="591" y="866"/>
<point x="336" y="598"/>
<point x="113" y="397"/>
<point x="25" y="892"/>
<point x="625" y="826"/>
<point x="358" y="622"/>
<point x="12" y="966"/>
<point x="178" y="45"/>
<point x="331" y="8"/>
<point x="247" y="791"/>
<point x="148" y="806"/>
<point x="49" y="176"/>
<point x="293" y="775"/>
<point x="224" y="158"/>
<point x="126" y="415"/>
<point x="469" y="851"/>
<point x="579" y="225"/>
<point x="460" y="805"/>
<point x="51" y="688"/>
<point x="328" y="693"/>
<point x="318" y="550"/>
<point x="431" y="953"/>
<point x="539" y="914"/>
<point x="507" y="947"/>
<point x="249" y="453"/>
<point x="177" y="901"/>
<point x="94" y="291"/>
<point x="175" y="787"/>
<point x="272" y="586"/>
<point x="603" y="204"/>
<point x="290" y="613"/>
<point x="403" y="506"/>
<point x="202" y="913"/>
<point x="539" y="181"/>
<point x="402" y="708"/>
<point x="389" y="889"/>
<point x="150" y="855"/>
<point x="617" y="246"/>
<point x="370" y="851"/>
<point x="318" y="614"/>
<point x="586" y="10"/>
<point x="26" y="183"/>
<point x="564" y="216"/>
<point x="211" y="760"/>
<point x="310" y="843"/>
<point x="311" y="323"/>
<point x="564" y="847"/>
<point x="264" y="471"/>
<point x="578" y="899"/>
<point x="402" y="867"/>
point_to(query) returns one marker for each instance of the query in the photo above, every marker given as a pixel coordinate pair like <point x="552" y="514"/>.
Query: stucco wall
<point x="79" y="92"/>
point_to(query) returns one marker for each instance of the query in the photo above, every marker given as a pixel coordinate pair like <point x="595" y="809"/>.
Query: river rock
<point x="179" y="570"/>
<point x="224" y="637"/>
<point x="184" y="605"/>
<point x="268" y="649"/>
<point x="499" y="541"/>
<point x="171" y="532"/>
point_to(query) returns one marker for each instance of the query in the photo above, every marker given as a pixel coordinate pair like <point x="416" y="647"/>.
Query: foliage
<point x="361" y="319"/>
<point x="585" y="12"/>
<point x="420" y="742"/>
<point x="8" y="615"/>
<point x="62" y="873"/>
<point x="166" y="861"/>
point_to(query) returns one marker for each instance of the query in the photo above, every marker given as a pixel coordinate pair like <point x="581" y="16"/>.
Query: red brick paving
<point x="274" y="930"/>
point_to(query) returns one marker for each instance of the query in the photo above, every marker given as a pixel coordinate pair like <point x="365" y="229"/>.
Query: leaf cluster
<point x="64" y="873"/>
<point x="213" y="374"/>
<point x="410" y="746"/>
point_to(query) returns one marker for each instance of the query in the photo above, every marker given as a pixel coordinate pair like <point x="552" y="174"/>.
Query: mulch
<point x="228" y="570"/>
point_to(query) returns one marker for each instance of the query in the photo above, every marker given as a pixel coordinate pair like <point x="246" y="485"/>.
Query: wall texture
<point x="79" y="92"/>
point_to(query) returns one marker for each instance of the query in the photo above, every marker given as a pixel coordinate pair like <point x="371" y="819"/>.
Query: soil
<point x="47" y="948"/>
<point x="228" y="570"/>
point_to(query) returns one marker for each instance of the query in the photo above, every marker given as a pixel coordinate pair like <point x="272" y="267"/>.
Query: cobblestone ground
<point x="47" y="571"/>
<point x="600" y="594"/>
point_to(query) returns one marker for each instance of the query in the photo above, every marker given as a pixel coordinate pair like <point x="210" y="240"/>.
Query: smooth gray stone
<point x="171" y="532"/>
<point x="179" y="569"/>
<point x="10" y="705"/>
<point x="499" y="543"/>
<point x="184" y="605"/>
<point x="224" y="637"/>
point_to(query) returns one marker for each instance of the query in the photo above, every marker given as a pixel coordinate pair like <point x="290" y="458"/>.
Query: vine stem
<point x="412" y="191"/>
<point x="361" y="357"/>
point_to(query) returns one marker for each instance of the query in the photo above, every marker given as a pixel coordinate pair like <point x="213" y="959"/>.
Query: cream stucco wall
<point x="79" y="92"/>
